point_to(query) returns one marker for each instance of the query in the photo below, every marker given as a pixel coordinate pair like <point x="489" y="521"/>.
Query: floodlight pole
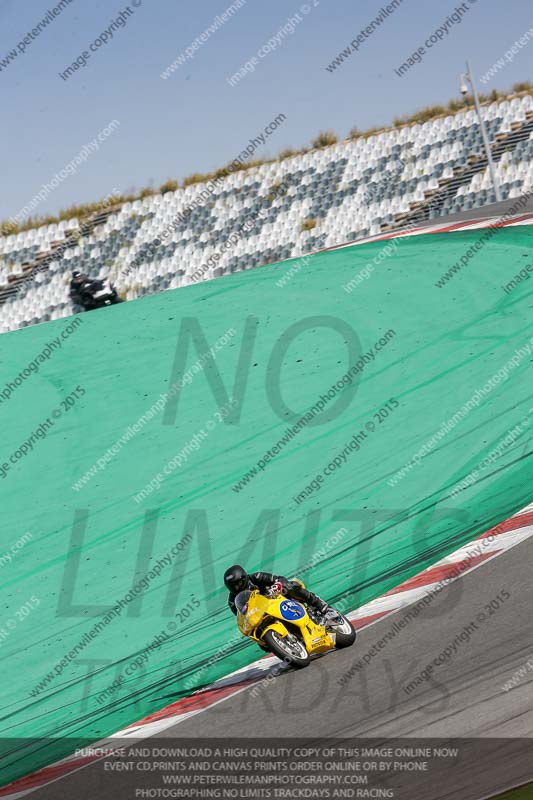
<point x="470" y="78"/>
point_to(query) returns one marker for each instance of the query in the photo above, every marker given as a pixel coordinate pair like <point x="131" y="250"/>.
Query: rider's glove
<point x="277" y="587"/>
<point x="293" y="584"/>
<point x="296" y="583"/>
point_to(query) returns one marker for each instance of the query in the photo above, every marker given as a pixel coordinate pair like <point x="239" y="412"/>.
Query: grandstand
<point x="276" y="211"/>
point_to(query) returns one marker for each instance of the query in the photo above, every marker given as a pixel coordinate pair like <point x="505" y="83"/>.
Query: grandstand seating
<point x="351" y="189"/>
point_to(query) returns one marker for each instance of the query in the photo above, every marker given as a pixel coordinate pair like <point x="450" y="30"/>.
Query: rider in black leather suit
<point x="236" y="580"/>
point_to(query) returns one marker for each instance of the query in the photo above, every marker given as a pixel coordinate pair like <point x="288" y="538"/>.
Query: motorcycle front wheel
<point x="288" y="648"/>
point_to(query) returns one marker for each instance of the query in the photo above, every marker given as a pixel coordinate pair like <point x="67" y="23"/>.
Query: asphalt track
<point x="505" y="207"/>
<point x="466" y="699"/>
<point x="502" y="209"/>
<point x="492" y="210"/>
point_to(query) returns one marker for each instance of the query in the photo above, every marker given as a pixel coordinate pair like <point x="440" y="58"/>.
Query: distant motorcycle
<point x="289" y="629"/>
<point x="98" y="293"/>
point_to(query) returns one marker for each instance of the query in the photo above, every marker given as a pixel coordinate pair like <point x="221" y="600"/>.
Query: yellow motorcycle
<point x="288" y="629"/>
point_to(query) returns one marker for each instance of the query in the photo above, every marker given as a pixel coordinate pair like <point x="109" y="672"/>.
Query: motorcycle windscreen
<point x="241" y="601"/>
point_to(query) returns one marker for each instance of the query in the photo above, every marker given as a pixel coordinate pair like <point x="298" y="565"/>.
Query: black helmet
<point x="236" y="579"/>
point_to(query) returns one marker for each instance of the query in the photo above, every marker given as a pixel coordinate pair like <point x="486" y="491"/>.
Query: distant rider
<point x="83" y="290"/>
<point x="236" y="580"/>
<point x="77" y="292"/>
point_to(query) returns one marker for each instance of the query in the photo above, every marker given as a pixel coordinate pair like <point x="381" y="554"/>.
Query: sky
<point x="195" y="120"/>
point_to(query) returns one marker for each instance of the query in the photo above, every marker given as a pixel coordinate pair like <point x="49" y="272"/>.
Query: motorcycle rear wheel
<point x="293" y="653"/>
<point x="345" y="632"/>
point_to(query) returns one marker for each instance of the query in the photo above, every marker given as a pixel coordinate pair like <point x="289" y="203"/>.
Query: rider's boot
<point x="321" y="606"/>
